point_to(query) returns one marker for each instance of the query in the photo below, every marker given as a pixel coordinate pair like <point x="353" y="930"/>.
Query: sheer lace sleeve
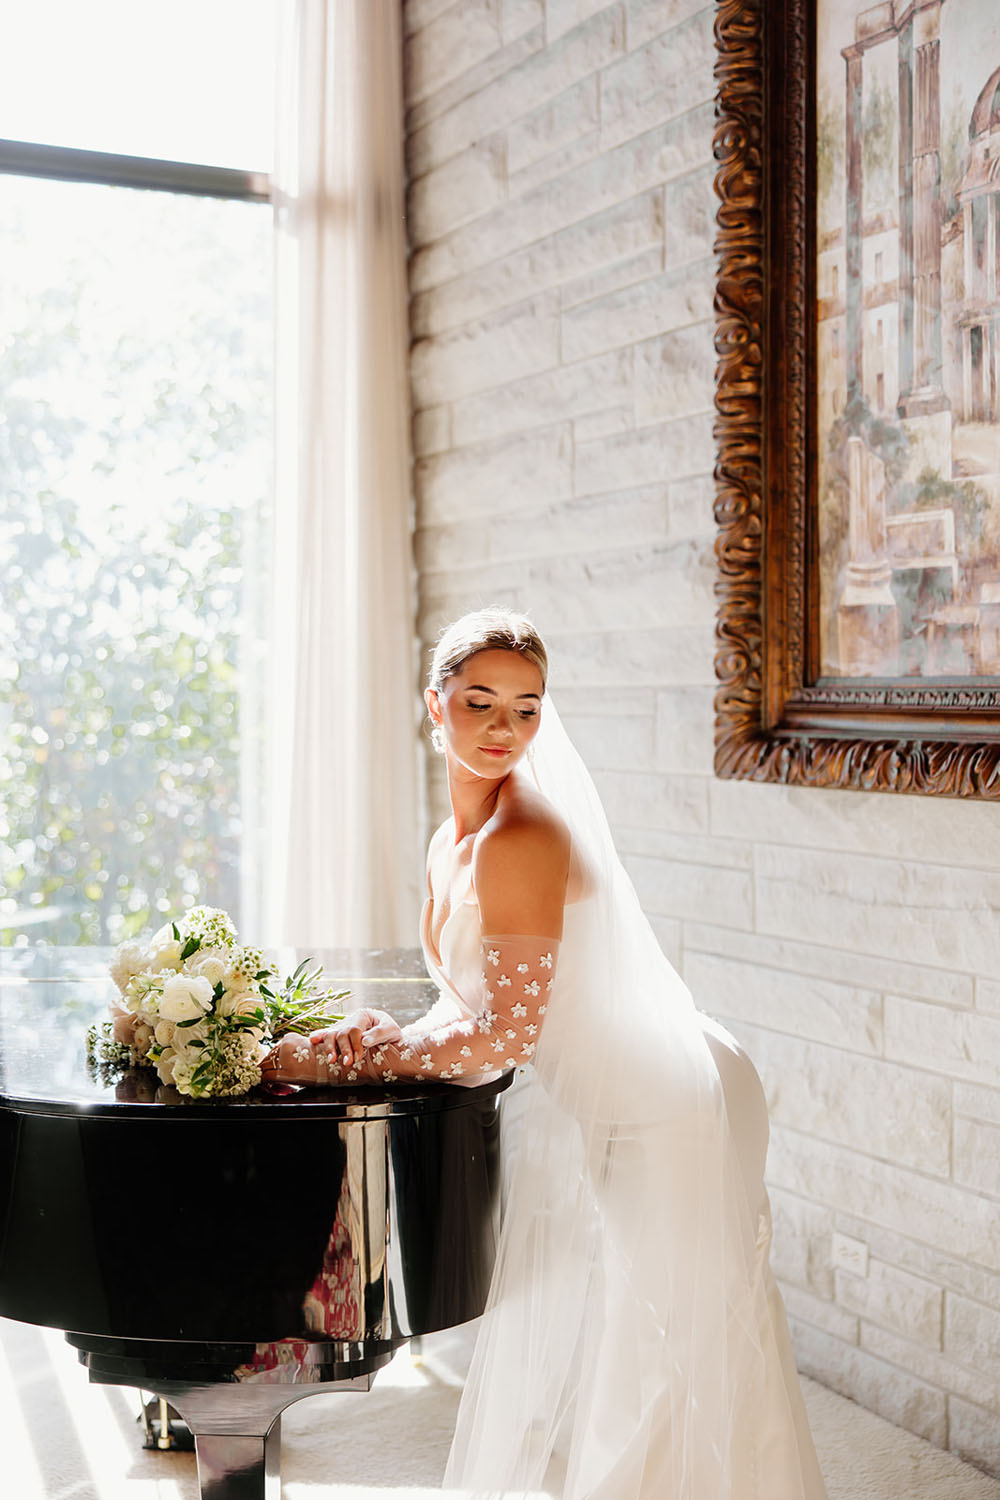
<point x="517" y="976"/>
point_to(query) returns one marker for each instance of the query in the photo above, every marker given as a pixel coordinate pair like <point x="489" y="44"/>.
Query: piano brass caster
<point x="164" y="1429"/>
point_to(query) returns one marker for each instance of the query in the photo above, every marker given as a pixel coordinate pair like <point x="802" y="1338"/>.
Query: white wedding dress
<point x="511" y="1437"/>
<point x="634" y="1345"/>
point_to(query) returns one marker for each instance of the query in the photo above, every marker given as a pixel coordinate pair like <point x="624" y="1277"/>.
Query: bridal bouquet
<point x="202" y="1009"/>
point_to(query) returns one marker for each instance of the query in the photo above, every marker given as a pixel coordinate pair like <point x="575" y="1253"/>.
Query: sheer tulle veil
<point x="619" y="1344"/>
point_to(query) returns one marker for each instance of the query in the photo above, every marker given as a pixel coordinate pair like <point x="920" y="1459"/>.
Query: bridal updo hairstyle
<point x="493" y="629"/>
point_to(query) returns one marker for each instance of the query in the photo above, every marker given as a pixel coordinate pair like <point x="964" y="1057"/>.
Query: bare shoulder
<point x="520" y="865"/>
<point x="524" y="822"/>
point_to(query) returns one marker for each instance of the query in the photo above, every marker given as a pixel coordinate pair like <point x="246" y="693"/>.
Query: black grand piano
<point x="233" y="1257"/>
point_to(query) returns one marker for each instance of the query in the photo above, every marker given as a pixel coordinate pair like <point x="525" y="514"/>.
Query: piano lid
<point x="50" y="996"/>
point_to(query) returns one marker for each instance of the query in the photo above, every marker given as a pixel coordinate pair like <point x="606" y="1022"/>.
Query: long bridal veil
<point x="620" y="1343"/>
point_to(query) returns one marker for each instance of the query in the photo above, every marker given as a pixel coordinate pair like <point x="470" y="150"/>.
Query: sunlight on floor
<point x="70" y="1440"/>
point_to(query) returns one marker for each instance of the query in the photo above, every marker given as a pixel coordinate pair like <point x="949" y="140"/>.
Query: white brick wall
<point x="561" y="222"/>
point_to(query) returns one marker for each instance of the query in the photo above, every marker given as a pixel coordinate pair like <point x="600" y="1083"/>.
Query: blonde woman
<point x="634" y="1346"/>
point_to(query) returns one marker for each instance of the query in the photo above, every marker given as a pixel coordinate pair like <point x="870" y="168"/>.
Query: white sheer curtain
<point x="341" y="820"/>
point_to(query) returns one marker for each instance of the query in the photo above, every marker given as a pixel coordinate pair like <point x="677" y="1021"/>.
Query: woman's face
<point x="489" y="711"/>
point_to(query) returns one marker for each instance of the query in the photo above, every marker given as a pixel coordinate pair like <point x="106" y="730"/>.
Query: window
<point x="135" y="329"/>
<point x="879" y="265"/>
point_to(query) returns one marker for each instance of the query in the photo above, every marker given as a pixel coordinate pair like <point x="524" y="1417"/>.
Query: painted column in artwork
<point x="905" y="210"/>
<point x="867" y="614"/>
<point x="854" y="284"/>
<point x="921" y="391"/>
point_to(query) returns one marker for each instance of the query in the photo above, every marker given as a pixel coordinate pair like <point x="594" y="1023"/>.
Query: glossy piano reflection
<point x="242" y="1251"/>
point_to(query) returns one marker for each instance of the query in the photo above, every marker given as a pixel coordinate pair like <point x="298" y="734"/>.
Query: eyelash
<point x="522" y="713"/>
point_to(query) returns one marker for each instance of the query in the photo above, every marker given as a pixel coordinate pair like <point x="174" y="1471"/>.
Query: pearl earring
<point x="437" y="738"/>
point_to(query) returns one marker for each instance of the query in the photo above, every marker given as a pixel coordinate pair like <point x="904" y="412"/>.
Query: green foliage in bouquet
<point x="202" y="1009"/>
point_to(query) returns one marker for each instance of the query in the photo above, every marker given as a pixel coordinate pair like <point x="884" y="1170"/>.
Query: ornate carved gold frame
<point x="776" y="720"/>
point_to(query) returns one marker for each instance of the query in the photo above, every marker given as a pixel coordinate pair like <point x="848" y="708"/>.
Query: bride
<point x="634" y="1345"/>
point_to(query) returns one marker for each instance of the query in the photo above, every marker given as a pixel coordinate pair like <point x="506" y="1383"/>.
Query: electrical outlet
<point x="850" y="1254"/>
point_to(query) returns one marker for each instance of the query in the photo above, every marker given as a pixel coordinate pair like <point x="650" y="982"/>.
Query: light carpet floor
<point x="64" y="1439"/>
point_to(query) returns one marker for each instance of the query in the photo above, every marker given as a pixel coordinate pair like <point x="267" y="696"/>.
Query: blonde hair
<point x="492" y="629"/>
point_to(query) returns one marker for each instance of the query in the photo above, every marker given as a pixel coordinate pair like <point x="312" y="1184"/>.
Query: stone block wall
<point x="561" y="223"/>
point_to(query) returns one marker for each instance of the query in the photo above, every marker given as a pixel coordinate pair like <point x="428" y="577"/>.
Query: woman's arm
<point x="520" y="873"/>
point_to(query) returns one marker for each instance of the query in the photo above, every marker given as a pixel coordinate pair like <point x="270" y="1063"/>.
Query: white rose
<point x="164" y="1032"/>
<point x="243" y="1003"/>
<point x="186" y="997"/>
<point x="209" y="968"/>
<point x="165" y="955"/>
<point x="185" y="1037"/>
<point x="128" y="960"/>
<point x="165" y="1065"/>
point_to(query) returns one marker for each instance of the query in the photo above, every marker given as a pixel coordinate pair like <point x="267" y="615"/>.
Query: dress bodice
<point x="455" y="963"/>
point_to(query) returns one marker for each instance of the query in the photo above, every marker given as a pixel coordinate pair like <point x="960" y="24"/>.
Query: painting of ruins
<point x="908" y="338"/>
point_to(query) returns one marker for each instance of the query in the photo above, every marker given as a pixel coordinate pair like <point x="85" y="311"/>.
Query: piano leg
<point x="234" y="1466"/>
<point x="232" y="1408"/>
<point x="237" y="1431"/>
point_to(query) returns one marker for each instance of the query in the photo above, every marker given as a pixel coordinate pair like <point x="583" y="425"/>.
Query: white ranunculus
<point x="165" y="1065"/>
<point x="164" y="1032"/>
<point x="127" y="960"/>
<point x="186" y="997"/>
<point x="165" y="955"/>
<point x="243" y="1003"/>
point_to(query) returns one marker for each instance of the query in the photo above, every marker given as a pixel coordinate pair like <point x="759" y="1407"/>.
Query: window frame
<point x="70" y="164"/>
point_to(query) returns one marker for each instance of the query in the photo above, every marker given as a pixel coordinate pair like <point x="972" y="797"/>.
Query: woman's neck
<point x="473" y="800"/>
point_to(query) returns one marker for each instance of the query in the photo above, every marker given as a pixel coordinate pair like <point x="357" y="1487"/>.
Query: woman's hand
<point x="295" y="1058"/>
<point x="347" y="1042"/>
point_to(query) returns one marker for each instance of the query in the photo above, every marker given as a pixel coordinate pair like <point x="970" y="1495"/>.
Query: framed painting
<point x="858" y="394"/>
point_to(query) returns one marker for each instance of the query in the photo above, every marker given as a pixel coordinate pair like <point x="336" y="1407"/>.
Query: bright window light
<point x="188" y="81"/>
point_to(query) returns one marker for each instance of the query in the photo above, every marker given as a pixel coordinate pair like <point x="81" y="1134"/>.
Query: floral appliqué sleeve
<point x="518" y="973"/>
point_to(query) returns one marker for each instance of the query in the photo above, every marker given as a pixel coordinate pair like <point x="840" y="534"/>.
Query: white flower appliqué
<point x="519" y="1009"/>
<point x="545" y="961"/>
<point x="493" y="956"/>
